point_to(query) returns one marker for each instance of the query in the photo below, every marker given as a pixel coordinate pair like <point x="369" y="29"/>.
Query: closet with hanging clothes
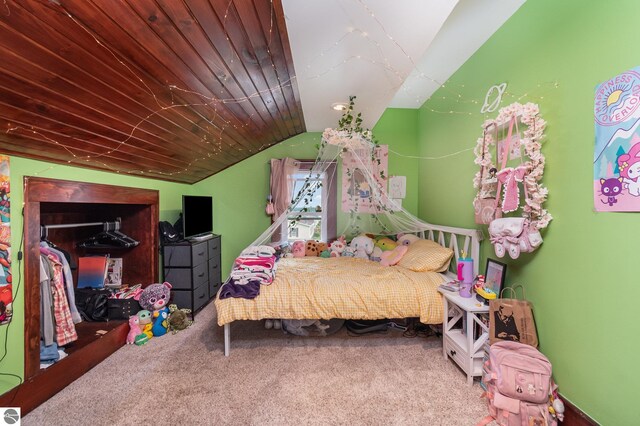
<point x="65" y="221"/>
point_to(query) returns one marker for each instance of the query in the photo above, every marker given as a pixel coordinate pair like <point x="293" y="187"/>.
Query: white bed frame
<point x="455" y="238"/>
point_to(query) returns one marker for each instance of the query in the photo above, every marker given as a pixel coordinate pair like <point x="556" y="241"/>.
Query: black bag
<point x="367" y="326"/>
<point x="122" y="309"/>
<point x="168" y="234"/>
<point x="92" y="303"/>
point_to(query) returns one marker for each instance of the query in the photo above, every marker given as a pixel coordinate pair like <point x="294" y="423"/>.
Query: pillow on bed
<point x="426" y="255"/>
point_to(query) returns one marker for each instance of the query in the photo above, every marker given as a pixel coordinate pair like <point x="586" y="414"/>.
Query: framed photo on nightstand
<point x="494" y="275"/>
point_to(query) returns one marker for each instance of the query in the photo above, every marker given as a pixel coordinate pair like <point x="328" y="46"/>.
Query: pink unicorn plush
<point x="134" y="329"/>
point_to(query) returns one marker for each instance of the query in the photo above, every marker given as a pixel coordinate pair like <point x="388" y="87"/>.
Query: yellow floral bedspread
<point x="348" y="288"/>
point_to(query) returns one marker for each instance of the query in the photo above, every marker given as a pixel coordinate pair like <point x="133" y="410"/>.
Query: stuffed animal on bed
<point x="349" y="252"/>
<point x="392" y="257"/>
<point x="386" y="244"/>
<point x="311" y="248"/>
<point x="337" y="247"/>
<point x="298" y="249"/>
<point x="376" y="254"/>
<point x="322" y="247"/>
<point x="363" y="246"/>
<point x="406" y="239"/>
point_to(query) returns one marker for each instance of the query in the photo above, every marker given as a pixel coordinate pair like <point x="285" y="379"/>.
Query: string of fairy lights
<point x="223" y="121"/>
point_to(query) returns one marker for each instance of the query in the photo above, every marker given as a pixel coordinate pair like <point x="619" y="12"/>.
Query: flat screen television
<point x="197" y="217"/>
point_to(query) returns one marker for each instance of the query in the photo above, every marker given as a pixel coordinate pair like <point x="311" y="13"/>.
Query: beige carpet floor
<point x="269" y="379"/>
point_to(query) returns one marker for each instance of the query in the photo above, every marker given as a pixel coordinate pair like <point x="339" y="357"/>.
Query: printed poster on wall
<point x="6" y="310"/>
<point x="356" y="188"/>
<point x="616" y="160"/>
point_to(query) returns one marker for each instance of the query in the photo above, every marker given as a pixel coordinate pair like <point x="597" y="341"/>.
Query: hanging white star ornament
<point x="492" y="105"/>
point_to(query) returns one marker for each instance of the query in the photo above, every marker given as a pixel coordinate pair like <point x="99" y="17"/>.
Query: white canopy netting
<point x="356" y="151"/>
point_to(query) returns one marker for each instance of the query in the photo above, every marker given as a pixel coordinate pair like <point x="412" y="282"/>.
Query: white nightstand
<point x="465" y="330"/>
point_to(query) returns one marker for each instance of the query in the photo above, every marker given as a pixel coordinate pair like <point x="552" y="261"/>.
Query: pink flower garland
<point x="531" y="137"/>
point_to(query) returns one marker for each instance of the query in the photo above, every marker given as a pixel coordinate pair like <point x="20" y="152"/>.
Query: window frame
<point x="329" y="201"/>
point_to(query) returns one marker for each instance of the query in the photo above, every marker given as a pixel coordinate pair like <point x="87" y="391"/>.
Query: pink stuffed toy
<point x="134" y="329"/>
<point x="337" y="247"/>
<point x="392" y="257"/>
<point x="298" y="249"/>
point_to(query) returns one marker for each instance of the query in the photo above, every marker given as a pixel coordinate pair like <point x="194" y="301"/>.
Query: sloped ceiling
<point x="168" y="89"/>
<point x="181" y="89"/>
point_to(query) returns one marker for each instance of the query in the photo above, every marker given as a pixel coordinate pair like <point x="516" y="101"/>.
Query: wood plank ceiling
<point x="176" y="90"/>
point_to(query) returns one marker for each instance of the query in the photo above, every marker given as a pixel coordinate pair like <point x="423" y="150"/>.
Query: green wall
<point x="240" y="192"/>
<point x="582" y="281"/>
<point x="239" y="200"/>
<point x="170" y="206"/>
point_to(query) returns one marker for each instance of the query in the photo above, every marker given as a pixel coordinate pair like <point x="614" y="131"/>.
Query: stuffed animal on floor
<point x="363" y="246"/>
<point x="155" y="296"/>
<point x="134" y="329"/>
<point x="145" y="322"/>
<point x="311" y="248"/>
<point x="178" y="319"/>
<point x="337" y="247"/>
<point x="325" y="254"/>
<point x="376" y="254"/>
<point x="141" y="339"/>
<point x="298" y="249"/>
<point x="160" y="322"/>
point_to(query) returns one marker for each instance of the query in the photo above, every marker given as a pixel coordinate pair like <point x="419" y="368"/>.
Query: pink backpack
<point x="518" y="379"/>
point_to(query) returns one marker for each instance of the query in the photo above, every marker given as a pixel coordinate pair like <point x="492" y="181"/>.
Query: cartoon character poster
<point x="616" y="160"/>
<point x="358" y="175"/>
<point x="6" y="295"/>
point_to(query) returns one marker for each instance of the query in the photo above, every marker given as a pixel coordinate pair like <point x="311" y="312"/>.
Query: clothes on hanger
<point x="64" y="327"/>
<point x="68" y="280"/>
<point x="47" y="321"/>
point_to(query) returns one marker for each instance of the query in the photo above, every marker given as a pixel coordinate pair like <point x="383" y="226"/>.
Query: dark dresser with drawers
<point x="193" y="269"/>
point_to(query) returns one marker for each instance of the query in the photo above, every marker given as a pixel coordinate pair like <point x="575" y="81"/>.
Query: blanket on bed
<point x="340" y="287"/>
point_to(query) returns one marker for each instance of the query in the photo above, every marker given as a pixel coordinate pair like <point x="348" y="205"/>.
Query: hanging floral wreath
<point x="530" y="140"/>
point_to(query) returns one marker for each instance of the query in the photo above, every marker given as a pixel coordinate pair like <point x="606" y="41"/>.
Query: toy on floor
<point x="160" y="322"/>
<point x="134" y="329"/>
<point x="178" y="318"/>
<point x="145" y="322"/>
<point x="141" y="339"/>
<point x="155" y="298"/>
